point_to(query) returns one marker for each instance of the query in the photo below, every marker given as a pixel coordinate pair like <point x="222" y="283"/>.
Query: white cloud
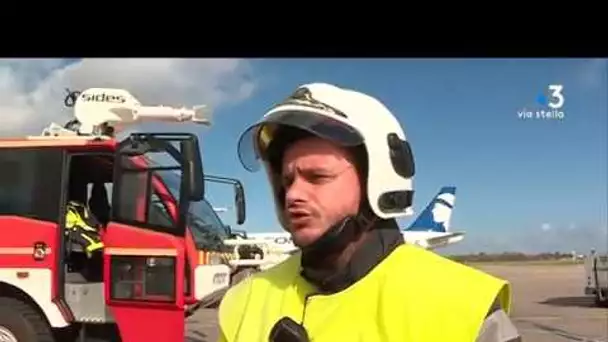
<point x="32" y="91"/>
<point x="545" y="227"/>
<point x="594" y="73"/>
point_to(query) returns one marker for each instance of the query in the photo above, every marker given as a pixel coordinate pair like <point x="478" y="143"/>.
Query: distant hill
<point x="510" y="256"/>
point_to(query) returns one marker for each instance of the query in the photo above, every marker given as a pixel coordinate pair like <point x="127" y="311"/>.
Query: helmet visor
<point x="254" y="142"/>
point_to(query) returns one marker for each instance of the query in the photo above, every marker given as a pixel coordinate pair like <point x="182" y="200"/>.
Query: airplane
<point x="430" y="230"/>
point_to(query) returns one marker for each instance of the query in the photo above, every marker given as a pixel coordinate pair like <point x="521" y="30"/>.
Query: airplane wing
<point x="444" y="240"/>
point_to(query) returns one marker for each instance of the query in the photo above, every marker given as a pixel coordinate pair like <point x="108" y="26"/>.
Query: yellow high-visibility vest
<point x="413" y="295"/>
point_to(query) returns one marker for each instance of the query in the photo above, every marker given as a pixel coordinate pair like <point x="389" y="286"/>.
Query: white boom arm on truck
<point x="104" y="111"/>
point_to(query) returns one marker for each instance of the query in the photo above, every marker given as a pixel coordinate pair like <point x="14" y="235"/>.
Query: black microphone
<point x="288" y="330"/>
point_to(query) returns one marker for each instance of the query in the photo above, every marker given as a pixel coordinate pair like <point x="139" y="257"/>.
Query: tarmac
<point x="549" y="305"/>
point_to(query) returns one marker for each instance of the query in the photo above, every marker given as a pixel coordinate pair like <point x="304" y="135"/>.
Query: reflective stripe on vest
<point x="414" y="295"/>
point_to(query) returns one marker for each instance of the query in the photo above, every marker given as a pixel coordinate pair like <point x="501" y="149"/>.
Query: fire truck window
<point x="26" y="174"/>
<point x="99" y="201"/>
<point x="207" y="228"/>
<point x="133" y="200"/>
<point x="108" y="187"/>
<point x="158" y="212"/>
<point x="131" y="207"/>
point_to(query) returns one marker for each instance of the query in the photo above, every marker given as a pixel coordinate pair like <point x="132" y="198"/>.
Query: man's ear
<point x="278" y="191"/>
<point x="277" y="186"/>
<point x="358" y="155"/>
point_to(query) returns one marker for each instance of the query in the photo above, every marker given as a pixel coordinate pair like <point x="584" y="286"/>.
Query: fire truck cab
<point x="147" y="277"/>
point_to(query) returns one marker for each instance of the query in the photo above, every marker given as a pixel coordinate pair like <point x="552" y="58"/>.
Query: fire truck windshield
<point x="207" y="228"/>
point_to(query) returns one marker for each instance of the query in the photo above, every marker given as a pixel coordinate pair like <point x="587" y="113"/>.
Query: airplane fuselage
<point x="282" y="243"/>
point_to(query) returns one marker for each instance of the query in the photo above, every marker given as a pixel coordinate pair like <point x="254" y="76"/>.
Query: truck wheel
<point x="19" y="322"/>
<point x="600" y="298"/>
<point x="242" y="275"/>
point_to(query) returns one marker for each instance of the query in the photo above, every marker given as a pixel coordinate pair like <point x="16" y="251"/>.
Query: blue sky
<point x="519" y="181"/>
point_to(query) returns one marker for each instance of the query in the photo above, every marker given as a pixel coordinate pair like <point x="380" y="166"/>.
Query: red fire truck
<point x="148" y="277"/>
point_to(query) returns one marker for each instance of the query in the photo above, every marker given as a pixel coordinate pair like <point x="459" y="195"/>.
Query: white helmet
<point x="349" y="118"/>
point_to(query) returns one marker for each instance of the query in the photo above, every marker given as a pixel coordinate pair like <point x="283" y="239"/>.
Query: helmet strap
<point x="336" y="239"/>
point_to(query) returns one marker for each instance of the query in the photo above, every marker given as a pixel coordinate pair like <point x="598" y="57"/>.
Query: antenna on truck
<point x="102" y="111"/>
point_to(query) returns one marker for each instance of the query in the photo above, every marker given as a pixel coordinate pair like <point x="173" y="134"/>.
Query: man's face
<point x="321" y="188"/>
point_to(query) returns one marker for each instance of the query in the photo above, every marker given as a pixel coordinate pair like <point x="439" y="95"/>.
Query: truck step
<point x="87" y="302"/>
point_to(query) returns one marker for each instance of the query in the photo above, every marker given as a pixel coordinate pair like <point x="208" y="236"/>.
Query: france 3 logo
<point x="551" y="102"/>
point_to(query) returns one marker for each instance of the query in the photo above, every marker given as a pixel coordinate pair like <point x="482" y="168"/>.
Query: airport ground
<point x="548" y="305"/>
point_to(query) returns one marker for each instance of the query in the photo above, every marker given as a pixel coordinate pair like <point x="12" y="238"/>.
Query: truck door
<point x="144" y="259"/>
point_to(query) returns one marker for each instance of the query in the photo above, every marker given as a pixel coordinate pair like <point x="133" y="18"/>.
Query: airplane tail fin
<point x="436" y="216"/>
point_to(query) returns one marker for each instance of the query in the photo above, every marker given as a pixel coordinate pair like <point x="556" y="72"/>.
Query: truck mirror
<point x="194" y="179"/>
<point x="239" y="201"/>
<point x="239" y="194"/>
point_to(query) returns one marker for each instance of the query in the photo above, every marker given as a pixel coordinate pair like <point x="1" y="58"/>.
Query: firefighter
<point x="82" y="227"/>
<point x="341" y="171"/>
